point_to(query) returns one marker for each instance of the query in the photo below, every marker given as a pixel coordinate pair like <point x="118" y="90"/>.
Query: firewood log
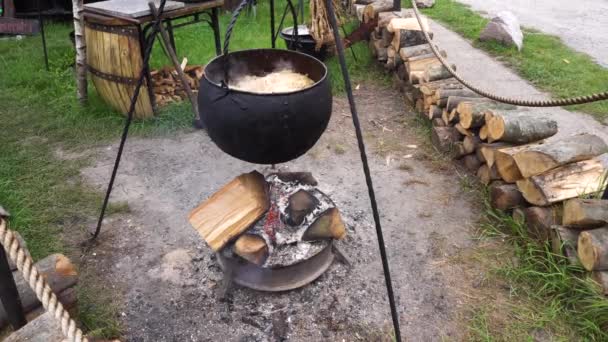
<point x="386" y="37"/>
<point x="420" y="64"/>
<point x="565" y="182"/>
<point x="593" y="249"/>
<point x="437" y="122"/>
<point x="252" y="248"/>
<point x="59" y="272"/>
<point x="430" y="88"/>
<point x="488" y="150"/>
<point x="44" y="328"/>
<point x="461" y="92"/>
<point x="487" y="174"/>
<point x="505" y="164"/>
<point x="471" y="162"/>
<point x="381" y="51"/>
<point x="564" y="242"/>
<point x="445" y="116"/>
<point x="518" y="214"/>
<point x="244" y="200"/>
<point x="465" y="132"/>
<point x="505" y="197"/>
<point x="585" y="213"/>
<point x="457" y="150"/>
<point x="601" y="278"/>
<point x="384" y="18"/>
<point x="413" y="51"/>
<point x="434" y="73"/>
<point x="540" y="219"/>
<point x="472" y="113"/>
<point x="404" y="38"/>
<point x="483" y="132"/>
<point x="549" y="155"/>
<point x="434" y="112"/>
<point x="371" y="11"/>
<point x="328" y="225"/>
<point x="410" y="24"/>
<point x="443" y="138"/>
<point x="470" y="144"/>
<point x="402" y="73"/>
<point x="520" y="128"/>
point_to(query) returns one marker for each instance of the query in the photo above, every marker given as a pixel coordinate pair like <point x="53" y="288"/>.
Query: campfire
<point x="270" y="233"/>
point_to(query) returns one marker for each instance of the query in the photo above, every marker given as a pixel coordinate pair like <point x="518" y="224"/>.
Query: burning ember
<point x="271" y="233"/>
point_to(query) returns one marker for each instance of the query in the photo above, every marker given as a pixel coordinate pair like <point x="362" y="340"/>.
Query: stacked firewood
<point x="543" y="180"/>
<point x="168" y="87"/>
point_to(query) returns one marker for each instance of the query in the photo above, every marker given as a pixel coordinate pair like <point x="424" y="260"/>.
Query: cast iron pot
<point x="264" y="128"/>
<point x="304" y="42"/>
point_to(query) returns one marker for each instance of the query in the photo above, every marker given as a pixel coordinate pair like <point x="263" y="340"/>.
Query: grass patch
<point x="40" y="115"/>
<point x="564" y="292"/>
<point x="544" y="60"/>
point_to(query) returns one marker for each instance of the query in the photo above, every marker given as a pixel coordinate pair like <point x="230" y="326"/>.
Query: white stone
<point x="504" y="28"/>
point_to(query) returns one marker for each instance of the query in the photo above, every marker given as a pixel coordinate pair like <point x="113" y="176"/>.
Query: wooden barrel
<point x="114" y="60"/>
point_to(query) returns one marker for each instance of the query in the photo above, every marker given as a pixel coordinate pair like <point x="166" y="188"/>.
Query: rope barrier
<point x="514" y="101"/>
<point x="38" y="284"/>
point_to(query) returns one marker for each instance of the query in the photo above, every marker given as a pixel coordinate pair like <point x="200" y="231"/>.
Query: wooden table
<point x="116" y="44"/>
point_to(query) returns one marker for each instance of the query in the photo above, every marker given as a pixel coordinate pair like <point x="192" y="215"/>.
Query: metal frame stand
<point x="356" y="123"/>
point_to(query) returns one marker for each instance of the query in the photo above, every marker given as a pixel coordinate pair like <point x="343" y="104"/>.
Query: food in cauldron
<point x="281" y="81"/>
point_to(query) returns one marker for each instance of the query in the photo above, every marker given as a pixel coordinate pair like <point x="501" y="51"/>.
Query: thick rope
<point x="38" y="284"/>
<point x="518" y="102"/>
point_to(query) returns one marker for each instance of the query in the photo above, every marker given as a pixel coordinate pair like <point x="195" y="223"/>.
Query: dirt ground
<point x="168" y="283"/>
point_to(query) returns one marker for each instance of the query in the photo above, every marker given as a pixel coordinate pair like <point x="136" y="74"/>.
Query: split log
<point x="585" y="213"/>
<point x="462" y="130"/>
<point x="443" y="138"/>
<point x="405" y="38"/>
<point x="408" y="24"/>
<point x="252" y="248"/>
<point x="381" y="51"/>
<point x="601" y="278"/>
<point x="518" y="216"/>
<point x="434" y="73"/>
<point x="412" y="52"/>
<point x="437" y="122"/>
<point x="505" y="163"/>
<point x="472" y="113"/>
<point x="59" y="272"/>
<point x="44" y="328"/>
<point x="488" y="150"/>
<point x="471" y="162"/>
<point x="564" y="242"/>
<point x="81" y="52"/>
<point x="460" y="92"/>
<point x="483" y="132"/>
<point x="505" y="197"/>
<point x="445" y="116"/>
<point x="300" y="204"/>
<point x="386" y="37"/>
<point x="457" y="150"/>
<point x="549" y="155"/>
<point x="487" y="174"/>
<point x="231" y="210"/>
<point x="430" y="88"/>
<point x="470" y="144"/>
<point x="565" y="182"/>
<point x="539" y="220"/>
<point x="434" y="112"/>
<point x="593" y="249"/>
<point x="520" y="128"/>
<point x="371" y="11"/>
<point x="328" y="225"/>
<point x="420" y="64"/>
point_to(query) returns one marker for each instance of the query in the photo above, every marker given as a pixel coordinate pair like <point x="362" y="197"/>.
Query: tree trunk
<point x="487" y="174"/>
<point x="549" y="155"/>
<point x="505" y="197"/>
<point x="601" y="278"/>
<point x="540" y="219"/>
<point x="564" y="242"/>
<point x="520" y="128"/>
<point x="443" y="138"/>
<point x="593" y="249"/>
<point x="472" y="113"/>
<point x="81" y="52"/>
<point x="59" y="272"/>
<point x="565" y="182"/>
<point x="585" y="213"/>
<point x="435" y="73"/>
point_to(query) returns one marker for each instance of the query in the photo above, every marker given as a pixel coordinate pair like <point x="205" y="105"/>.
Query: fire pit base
<point x="276" y="279"/>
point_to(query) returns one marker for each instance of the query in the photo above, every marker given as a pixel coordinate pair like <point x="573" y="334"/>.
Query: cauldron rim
<point x="217" y="60"/>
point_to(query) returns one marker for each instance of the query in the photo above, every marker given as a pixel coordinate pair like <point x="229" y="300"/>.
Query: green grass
<point x="544" y="60"/>
<point x="50" y="205"/>
<point x="564" y="292"/>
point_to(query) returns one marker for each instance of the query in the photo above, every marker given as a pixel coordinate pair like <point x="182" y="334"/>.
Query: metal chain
<point x="38" y="284"/>
<point x="514" y="101"/>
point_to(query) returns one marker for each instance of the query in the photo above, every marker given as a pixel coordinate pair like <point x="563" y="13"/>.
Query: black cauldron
<point x="264" y="128"/>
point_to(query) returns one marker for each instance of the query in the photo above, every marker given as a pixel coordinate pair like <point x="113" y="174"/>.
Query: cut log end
<point x="327" y="226"/>
<point x="252" y="248"/>
<point x="593" y="249"/>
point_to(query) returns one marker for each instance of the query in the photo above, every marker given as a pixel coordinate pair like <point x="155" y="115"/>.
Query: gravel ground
<point x="168" y="284"/>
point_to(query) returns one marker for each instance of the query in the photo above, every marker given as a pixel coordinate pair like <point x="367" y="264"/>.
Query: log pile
<point x="545" y="181"/>
<point x="168" y="87"/>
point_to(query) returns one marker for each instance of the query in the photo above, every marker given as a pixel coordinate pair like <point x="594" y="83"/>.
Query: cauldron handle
<point x="230" y="27"/>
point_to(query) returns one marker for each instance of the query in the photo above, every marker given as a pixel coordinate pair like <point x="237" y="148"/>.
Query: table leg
<point x="9" y="295"/>
<point x="42" y="35"/>
<point x="171" y="36"/>
<point x="215" y="25"/>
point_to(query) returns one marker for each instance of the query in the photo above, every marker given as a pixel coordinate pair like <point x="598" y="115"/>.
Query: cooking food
<point x="276" y="82"/>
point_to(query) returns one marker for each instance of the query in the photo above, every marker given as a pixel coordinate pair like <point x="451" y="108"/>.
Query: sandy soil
<point x="169" y="282"/>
